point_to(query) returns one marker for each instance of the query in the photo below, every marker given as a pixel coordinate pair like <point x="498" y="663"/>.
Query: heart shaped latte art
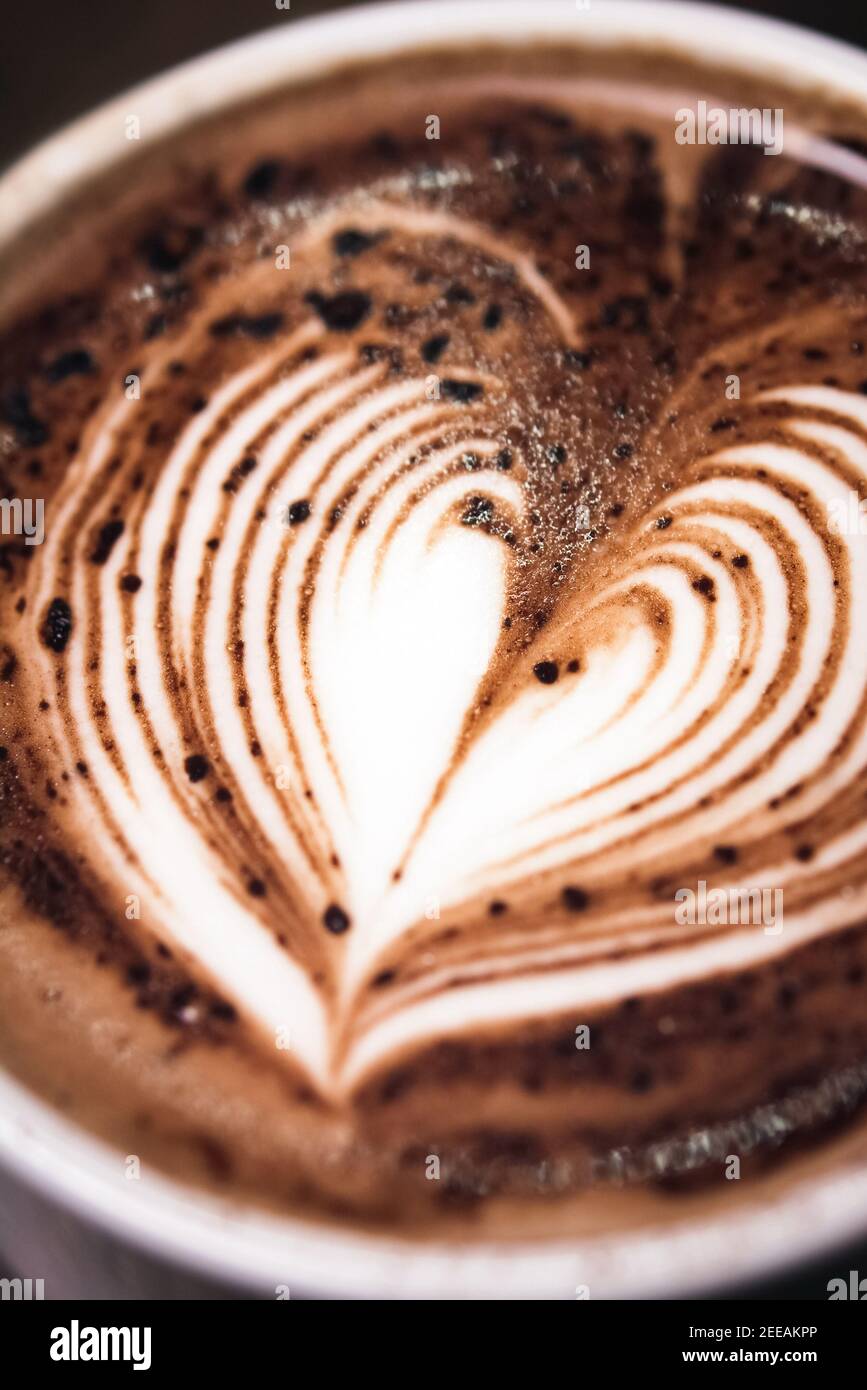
<point x="401" y="689"/>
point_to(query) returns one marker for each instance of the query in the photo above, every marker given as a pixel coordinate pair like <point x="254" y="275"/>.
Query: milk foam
<point x="367" y="769"/>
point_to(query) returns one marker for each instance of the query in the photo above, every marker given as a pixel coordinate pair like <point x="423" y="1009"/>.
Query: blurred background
<point x="58" y="59"/>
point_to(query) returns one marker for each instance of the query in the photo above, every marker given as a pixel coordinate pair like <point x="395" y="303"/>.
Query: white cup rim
<point x="251" y="1248"/>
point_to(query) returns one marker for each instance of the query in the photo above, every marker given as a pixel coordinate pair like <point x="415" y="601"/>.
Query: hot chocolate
<point x="433" y="723"/>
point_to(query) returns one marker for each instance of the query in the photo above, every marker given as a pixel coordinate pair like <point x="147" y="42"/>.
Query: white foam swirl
<point x="384" y="751"/>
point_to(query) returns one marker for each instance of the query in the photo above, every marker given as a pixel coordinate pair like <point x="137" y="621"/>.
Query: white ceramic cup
<point x="67" y="1213"/>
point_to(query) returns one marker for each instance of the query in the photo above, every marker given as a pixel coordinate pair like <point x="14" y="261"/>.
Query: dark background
<point x="59" y="58"/>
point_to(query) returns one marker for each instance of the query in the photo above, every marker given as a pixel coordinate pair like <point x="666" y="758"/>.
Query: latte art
<point x="423" y="617"/>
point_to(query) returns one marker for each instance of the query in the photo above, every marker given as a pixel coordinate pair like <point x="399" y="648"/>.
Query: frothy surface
<point x="422" y="618"/>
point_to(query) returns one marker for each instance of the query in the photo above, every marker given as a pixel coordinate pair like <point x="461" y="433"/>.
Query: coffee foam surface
<point x="467" y="712"/>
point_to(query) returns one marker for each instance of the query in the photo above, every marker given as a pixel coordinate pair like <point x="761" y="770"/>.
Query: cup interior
<point x="246" y="1247"/>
